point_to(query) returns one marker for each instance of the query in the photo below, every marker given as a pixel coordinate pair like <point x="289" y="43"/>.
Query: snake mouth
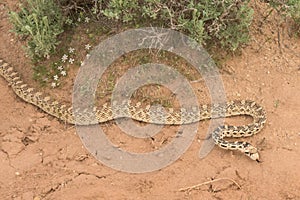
<point x="253" y="156"/>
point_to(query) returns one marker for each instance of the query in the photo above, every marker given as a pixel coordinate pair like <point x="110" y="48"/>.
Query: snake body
<point x="126" y="109"/>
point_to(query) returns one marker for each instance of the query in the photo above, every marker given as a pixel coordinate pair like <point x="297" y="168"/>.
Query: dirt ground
<point x="42" y="158"/>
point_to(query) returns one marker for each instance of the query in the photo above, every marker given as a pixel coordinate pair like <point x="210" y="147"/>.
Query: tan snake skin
<point x="126" y="109"/>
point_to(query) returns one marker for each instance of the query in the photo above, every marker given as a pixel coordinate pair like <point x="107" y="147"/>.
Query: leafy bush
<point x="293" y="10"/>
<point x="41" y="21"/>
<point x="288" y="8"/>
<point x="124" y="10"/>
<point x="205" y="20"/>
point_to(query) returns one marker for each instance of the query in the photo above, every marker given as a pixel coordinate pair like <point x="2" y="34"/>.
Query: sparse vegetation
<point x="41" y="21"/>
<point x="213" y="23"/>
<point x="288" y="8"/>
<point x="224" y="23"/>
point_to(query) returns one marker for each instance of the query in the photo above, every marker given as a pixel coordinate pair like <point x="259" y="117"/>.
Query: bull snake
<point x="128" y="110"/>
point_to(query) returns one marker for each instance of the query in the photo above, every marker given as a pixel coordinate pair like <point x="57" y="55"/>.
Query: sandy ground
<point x="42" y="158"/>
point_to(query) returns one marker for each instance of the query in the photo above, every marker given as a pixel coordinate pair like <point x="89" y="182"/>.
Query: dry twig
<point x="208" y="182"/>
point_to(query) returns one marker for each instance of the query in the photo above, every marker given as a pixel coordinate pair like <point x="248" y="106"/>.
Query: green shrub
<point x="120" y="9"/>
<point x="41" y="21"/>
<point x="293" y="10"/>
<point x="223" y="22"/>
<point x="288" y="8"/>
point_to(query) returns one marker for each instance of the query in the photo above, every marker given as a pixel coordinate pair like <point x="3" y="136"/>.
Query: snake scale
<point x="126" y="109"/>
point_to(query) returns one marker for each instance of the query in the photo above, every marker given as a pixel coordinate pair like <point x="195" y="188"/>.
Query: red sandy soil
<point x="42" y="158"/>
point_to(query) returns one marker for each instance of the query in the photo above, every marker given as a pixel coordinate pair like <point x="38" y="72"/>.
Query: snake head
<point x="252" y="152"/>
